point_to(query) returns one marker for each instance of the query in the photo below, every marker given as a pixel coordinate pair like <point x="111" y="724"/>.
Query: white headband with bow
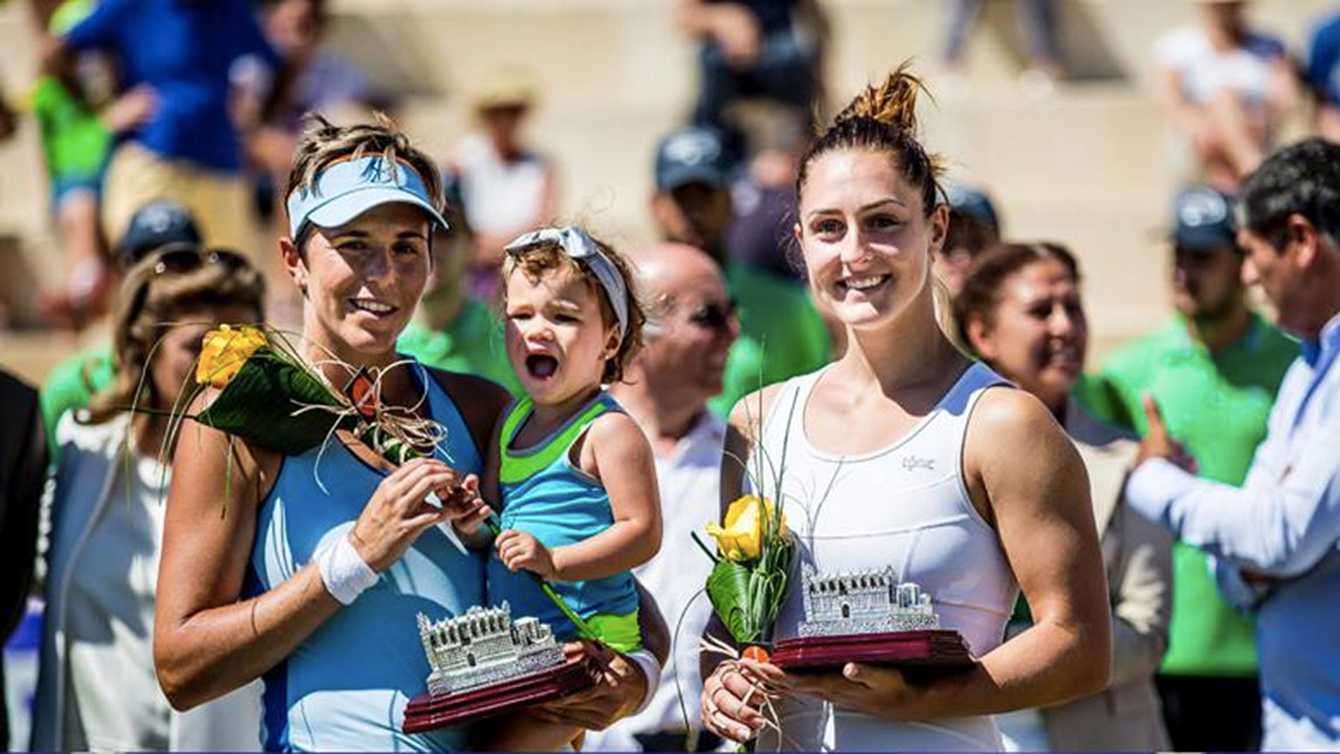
<point x="578" y="244"/>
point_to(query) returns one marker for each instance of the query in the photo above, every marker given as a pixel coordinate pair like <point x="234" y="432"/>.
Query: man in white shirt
<point x="1276" y="539"/>
<point x="691" y="328"/>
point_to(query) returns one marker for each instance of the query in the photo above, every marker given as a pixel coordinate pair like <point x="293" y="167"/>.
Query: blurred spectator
<point x="974" y="227"/>
<point x="782" y="334"/>
<point x="1273" y="540"/>
<point x="70" y="105"/>
<point x="1037" y="26"/>
<point x="452" y="330"/>
<point x="320" y="78"/>
<point x="761" y="235"/>
<point x="182" y="54"/>
<point x="157" y="226"/>
<point x="666" y="389"/>
<point x="1214" y="370"/>
<point x="764" y="49"/>
<point x="1227" y="87"/>
<point x="1020" y="310"/>
<point x="7" y="123"/>
<point x="23" y="467"/>
<point x="1323" y="75"/>
<point x="96" y="684"/>
<point x="315" y="78"/>
<point x="506" y="187"/>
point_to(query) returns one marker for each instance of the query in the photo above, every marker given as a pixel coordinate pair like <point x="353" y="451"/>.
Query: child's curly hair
<point x="534" y="262"/>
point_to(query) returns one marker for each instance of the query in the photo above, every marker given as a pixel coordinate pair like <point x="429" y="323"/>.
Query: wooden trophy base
<point x="429" y="712"/>
<point x="939" y="649"/>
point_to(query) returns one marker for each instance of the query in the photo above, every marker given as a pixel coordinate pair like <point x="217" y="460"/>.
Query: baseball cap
<point x="347" y="188"/>
<point x="1203" y="219"/>
<point x="692" y="155"/>
<point x="155" y="226"/>
<point x="972" y="202"/>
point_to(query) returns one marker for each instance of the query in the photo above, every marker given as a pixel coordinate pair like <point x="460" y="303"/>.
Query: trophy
<point x="485" y="664"/>
<point x="868" y="617"/>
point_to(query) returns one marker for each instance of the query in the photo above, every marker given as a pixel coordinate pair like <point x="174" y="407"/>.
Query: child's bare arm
<point x="617" y="453"/>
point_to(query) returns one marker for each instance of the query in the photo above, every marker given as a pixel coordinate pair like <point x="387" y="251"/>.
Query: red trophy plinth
<point x="916" y="648"/>
<point x="484" y="664"/>
<point x="428" y="711"/>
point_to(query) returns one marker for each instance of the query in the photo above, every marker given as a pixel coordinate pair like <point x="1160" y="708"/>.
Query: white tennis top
<point x="904" y="506"/>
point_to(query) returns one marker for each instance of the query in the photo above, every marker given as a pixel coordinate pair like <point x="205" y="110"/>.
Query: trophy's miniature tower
<point x="485" y="646"/>
<point x="865" y="602"/>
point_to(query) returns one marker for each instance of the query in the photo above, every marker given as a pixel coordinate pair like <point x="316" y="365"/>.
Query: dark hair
<point x="986" y="275"/>
<point x="883" y="118"/>
<point x="533" y="263"/>
<point x="970" y="233"/>
<point x="1303" y="178"/>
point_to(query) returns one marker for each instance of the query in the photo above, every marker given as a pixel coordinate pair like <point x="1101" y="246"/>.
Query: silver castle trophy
<point x="869" y="617"/>
<point x="484" y="663"/>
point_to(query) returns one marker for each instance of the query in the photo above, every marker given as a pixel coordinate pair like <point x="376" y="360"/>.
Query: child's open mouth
<point x="541" y="366"/>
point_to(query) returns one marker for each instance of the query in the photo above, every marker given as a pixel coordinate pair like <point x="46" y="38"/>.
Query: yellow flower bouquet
<point x="755" y="551"/>
<point x="267" y="392"/>
<point x="270" y="396"/>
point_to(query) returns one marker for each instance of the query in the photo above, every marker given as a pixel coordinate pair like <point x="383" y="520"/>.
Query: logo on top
<point x="382" y="170"/>
<point x="693" y="148"/>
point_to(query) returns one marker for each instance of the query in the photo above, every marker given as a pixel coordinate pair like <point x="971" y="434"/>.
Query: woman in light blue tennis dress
<point x="310" y="570"/>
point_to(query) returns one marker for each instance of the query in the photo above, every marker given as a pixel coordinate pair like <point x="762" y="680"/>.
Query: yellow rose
<point x="742" y="536"/>
<point x="224" y="352"/>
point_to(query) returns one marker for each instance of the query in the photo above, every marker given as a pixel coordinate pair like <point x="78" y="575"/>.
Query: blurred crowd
<point x="169" y="126"/>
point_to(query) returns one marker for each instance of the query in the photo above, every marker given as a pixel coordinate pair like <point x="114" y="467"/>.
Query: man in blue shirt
<point x="1276" y="539"/>
<point x="1322" y="74"/>
<point x="190" y="54"/>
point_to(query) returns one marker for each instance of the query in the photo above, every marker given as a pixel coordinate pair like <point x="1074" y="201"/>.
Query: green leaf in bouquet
<point x="728" y="589"/>
<point x="272" y="387"/>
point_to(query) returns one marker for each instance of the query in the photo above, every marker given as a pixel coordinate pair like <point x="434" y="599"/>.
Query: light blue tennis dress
<point x="545" y="495"/>
<point x="345" y="687"/>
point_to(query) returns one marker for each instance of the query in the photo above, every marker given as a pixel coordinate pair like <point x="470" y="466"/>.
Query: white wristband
<point x="342" y="569"/>
<point x="651" y="667"/>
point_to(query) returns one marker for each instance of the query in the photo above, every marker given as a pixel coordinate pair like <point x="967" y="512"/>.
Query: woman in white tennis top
<point x="901" y="454"/>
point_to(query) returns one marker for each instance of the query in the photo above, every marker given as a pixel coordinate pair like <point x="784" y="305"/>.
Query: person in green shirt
<point x="782" y="335"/>
<point x="451" y="330"/>
<point x="78" y="121"/>
<point x="1214" y="370"/>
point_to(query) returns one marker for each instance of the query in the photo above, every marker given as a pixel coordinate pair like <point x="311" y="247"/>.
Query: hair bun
<point x="893" y="101"/>
<point x="883" y="119"/>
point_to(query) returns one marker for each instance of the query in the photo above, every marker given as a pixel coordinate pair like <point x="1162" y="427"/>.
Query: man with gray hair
<point x="691" y="327"/>
<point x="1276" y="539"/>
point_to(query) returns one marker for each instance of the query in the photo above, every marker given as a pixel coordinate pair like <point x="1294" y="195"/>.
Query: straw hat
<point x="511" y="86"/>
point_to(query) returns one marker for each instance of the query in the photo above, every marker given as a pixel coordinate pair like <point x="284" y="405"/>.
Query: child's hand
<point x="463" y="506"/>
<point x="517" y="550"/>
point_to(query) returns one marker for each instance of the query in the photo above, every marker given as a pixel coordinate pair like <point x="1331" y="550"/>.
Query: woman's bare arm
<point x="206" y="641"/>
<point x="1019" y="460"/>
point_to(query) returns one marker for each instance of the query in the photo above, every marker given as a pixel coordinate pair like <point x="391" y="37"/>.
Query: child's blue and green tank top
<point x="345" y="687"/>
<point x="545" y="494"/>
